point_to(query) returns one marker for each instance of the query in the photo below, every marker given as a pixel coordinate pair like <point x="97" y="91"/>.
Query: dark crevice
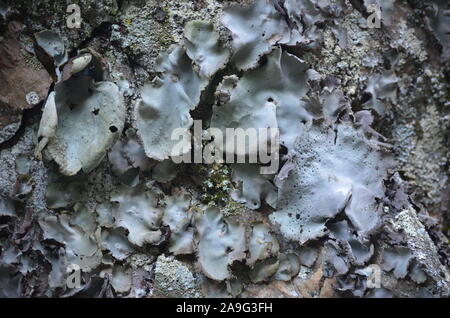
<point x="359" y="5"/>
<point x="102" y="31"/>
<point x="204" y="110"/>
<point x="279" y="6"/>
<point x="29" y="117"/>
<point x="120" y="4"/>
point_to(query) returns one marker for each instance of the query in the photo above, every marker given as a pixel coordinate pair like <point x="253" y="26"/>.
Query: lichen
<point x="174" y="279"/>
<point x="332" y="171"/>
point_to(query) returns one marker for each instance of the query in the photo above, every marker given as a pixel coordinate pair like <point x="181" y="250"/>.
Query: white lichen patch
<point x="99" y="108"/>
<point x="86" y="100"/>
<point x="331" y="171"/>
<point x="253" y="187"/>
<point x="262" y="244"/>
<point x="269" y="96"/>
<point x="76" y="232"/>
<point x="255" y="30"/>
<point x="137" y="211"/>
<point x="220" y="243"/>
<point x="409" y="41"/>
<point x="177" y="215"/>
<point x="203" y="47"/>
<point x="166" y="103"/>
<point x="32" y="98"/>
<point x="174" y="279"/>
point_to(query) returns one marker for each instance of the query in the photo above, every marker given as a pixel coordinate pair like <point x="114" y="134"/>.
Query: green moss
<point x="32" y="62"/>
<point x="216" y="184"/>
<point x="128" y="21"/>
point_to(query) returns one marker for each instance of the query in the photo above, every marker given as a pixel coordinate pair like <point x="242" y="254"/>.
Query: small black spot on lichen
<point x="366" y="96"/>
